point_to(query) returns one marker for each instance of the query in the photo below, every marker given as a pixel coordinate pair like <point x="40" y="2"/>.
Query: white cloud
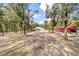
<point x="39" y="15"/>
<point x="43" y="6"/>
<point x="41" y="22"/>
<point x="49" y="19"/>
<point x="44" y="19"/>
<point x="50" y="4"/>
<point x="36" y="15"/>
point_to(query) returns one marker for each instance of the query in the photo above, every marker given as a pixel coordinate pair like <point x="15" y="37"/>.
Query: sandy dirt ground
<point x="38" y="44"/>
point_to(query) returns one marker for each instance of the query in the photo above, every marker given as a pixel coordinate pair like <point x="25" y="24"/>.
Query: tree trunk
<point x="2" y="30"/>
<point x="52" y="29"/>
<point x="6" y="28"/>
<point x="65" y="34"/>
<point x="65" y="29"/>
<point x="24" y="27"/>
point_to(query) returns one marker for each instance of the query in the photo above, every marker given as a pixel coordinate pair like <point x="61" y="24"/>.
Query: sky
<point x="39" y="17"/>
<point x="41" y="7"/>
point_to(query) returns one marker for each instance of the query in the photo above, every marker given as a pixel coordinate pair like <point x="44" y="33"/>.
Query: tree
<point x="32" y="24"/>
<point x="21" y="10"/>
<point x="52" y="14"/>
<point x="60" y="12"/>
<point x="1" y="19"/>
<point x="46" y="22"/>
<point x="65" y="9"/>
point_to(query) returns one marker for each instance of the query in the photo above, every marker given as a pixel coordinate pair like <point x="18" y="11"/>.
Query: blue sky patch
<point x="37" y="17"/>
